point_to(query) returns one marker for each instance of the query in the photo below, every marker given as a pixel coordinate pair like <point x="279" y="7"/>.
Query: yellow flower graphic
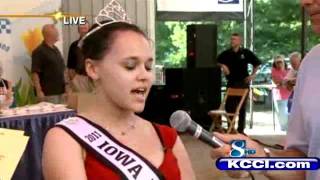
<point x="32" y="39"/>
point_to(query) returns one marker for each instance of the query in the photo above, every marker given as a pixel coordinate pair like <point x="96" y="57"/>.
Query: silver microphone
<point x="182" y="122"/>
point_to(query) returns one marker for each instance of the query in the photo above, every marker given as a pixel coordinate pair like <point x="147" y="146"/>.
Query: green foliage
<point x="277" y="27"/>
<point x="164" y="45"/>
<point x="225" y="29"/>
<point x="24" y="93"/>
<point x="277" y="31"/>
<point x="171" y="43"/>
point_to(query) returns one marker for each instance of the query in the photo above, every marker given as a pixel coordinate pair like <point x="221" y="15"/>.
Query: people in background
<point x="79" y="81"/>
<point x="295" y="61"/>
<point x="303" y="133"/>
<point x="234" y="64"/>
<point x="281" y="93"/>
<point x="48" y="68"/>
<point x="6" y="94"/>
<point x="290" y="79"/>
<point x="119" y="60"/>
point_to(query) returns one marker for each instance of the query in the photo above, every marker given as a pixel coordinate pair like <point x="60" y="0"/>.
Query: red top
<point x="169" y="168"/>
<point x="281" y="93"/>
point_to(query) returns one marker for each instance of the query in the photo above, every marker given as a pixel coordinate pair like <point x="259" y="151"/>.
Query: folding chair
<point x="230" y="117"/>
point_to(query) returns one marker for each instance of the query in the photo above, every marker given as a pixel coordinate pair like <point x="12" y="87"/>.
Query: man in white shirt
<point x="290" y="79"/>
<point x="303" y="138"/>
<point x="295" y="61"/>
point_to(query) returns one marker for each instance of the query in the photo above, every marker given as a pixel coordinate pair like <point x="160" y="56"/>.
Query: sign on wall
<point x="200" y="5"/>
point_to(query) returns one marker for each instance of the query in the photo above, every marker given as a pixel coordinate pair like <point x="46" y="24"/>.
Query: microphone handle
<point x="198" y="132"/>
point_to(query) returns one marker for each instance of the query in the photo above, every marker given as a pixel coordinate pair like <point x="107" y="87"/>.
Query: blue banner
<point x="228" y="1"/>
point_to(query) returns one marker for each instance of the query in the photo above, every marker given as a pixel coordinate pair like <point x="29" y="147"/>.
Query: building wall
<point x="141" y="12"/>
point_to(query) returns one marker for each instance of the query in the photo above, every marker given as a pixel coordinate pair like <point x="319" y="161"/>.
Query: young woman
<point x="119" y="61"/>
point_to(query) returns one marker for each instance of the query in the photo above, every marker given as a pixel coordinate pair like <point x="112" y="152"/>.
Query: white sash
<point x="128" y="163"/>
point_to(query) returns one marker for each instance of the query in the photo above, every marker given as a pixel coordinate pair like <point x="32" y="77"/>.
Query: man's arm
<point x="255" y="69"/>
<point x="221" y="62"/>
<point x="37" y="85"/>
<point x="280" y="175"/>
<point x="67" y="81"/>
<point x="36" y="68"/>
<point x="255" y="62"/>
<point x="224" y="69"/>
<point x="253" y="74"/>
<point x="290" y="80"/>
<point x="72" y="60"/>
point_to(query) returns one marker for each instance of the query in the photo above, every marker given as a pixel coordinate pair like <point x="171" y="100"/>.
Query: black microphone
<point x="182" y="122"/>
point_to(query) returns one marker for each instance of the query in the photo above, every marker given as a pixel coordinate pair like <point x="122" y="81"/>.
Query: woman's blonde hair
<point x="279" y="56"/>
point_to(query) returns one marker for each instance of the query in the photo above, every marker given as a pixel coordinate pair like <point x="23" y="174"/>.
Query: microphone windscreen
<point x="180" y="120"/>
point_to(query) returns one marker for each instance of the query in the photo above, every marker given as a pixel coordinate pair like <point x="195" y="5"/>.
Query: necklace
<point x="131" y="126"/>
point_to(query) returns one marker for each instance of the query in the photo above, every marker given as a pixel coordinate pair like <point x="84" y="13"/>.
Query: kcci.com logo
<point x="239" y="161"/>
<point x="238" y="149"/>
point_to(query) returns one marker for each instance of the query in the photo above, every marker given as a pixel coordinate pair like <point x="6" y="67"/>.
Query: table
<point x="266" y="86"/>
<point x="35" y="126"/>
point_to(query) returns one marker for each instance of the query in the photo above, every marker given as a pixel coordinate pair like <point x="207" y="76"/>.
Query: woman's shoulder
<point x="167" y="135"/>
<point x="58" y="137"/>
<point x="60" y="150"/>
<point x="56" y="141"/>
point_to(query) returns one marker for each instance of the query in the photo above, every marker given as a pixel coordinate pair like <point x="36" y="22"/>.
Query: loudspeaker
<point x="156" y="108"/>
<point x="202" y="93"/>
<point x="164" y="100"/>
<point x="196" y="91"/>
<point x="174" y="80"/>
<point x="201" y="45"/>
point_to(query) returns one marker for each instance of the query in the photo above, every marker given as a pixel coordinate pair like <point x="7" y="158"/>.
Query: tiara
<point x="112" y="13"/>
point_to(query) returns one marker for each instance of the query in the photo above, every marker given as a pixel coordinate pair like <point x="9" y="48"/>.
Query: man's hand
<point x="290" y="84"/>
<point x="40" y="96"/>
<point x="250" y="78"/>
<point x="67" y="89"/>
<point x="226" y="149"/>
<point x="225" y="69"/>
<point x="72" y="73"/>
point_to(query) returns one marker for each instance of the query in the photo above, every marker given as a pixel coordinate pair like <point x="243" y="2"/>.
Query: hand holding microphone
<point x="182" y="122"/>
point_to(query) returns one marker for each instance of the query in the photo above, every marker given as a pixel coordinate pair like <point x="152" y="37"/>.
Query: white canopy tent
<point x="209" y="10"/>
<point x="191" y="10"/>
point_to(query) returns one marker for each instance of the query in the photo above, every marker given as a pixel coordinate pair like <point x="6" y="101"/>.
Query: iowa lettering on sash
<point x="128" y="162"/>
